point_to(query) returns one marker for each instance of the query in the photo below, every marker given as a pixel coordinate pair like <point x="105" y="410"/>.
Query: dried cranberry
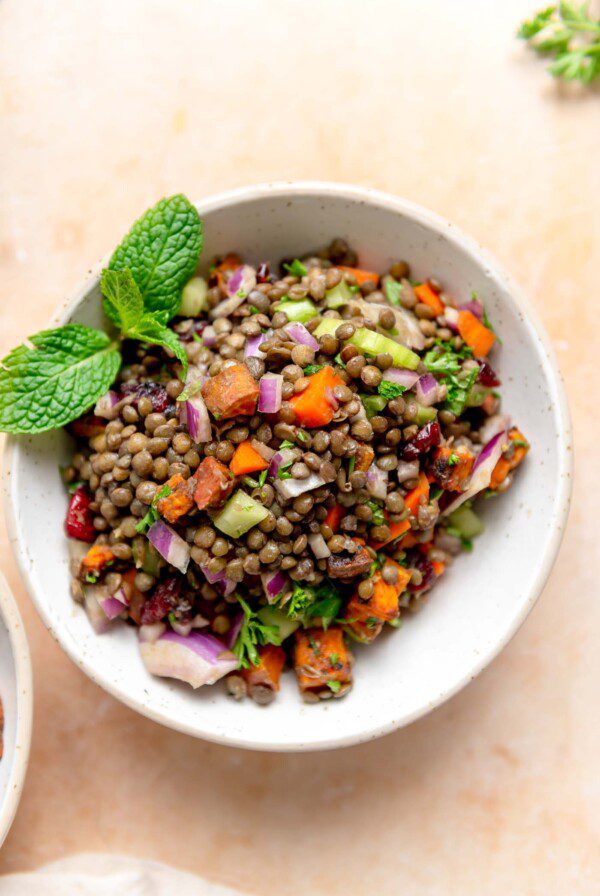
<point x="487" y="376"/>
<point x="427" y="437"/>
<point x="162" y="601"/>
<point x="79" y="522"/>
<point x="415" y="560"/>
<point x="196" y="327"/>
<point x="154" y="391"/>
<point x="263" y="274"/>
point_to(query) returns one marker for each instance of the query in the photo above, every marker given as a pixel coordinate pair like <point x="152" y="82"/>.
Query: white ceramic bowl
<point x="16" y="691"/>
<point x="477" y="606"/>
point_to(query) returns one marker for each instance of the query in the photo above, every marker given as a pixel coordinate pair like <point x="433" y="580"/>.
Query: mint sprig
<point x="161" y="250"/>
<point x="124" y="305"/>
<point x="55" y="379"/>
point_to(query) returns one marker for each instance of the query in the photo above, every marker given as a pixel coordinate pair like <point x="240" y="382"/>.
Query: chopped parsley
<point x="254" y="309"/>
<point x="73" y="486"/>
<point x="446" y="361"/>
<point x="395" y="623"/>
<point x="322" y="601"/>
<point x="91" y="577"/>
<point x="252" y="634"/>
<point x="435" y="492"/>
<point x="301" y="435"/>
<point x="453" y="459"/>
<point x="262" y="478"/>
<point x="283" y="471"/>
<point x="351" y="466"/>
<point x="334" y="686"/>
<point x="196" y="337"/>
<point x="296" y="268"/>
<point x="389" y="390"/>
<point x="312" y="368"/>
<point x="467" y="543"/>
<point x="518" y="443"/>
<point x="153" y="515"/>
<point x="286" y="444"/>
<point x="339" y="362"/>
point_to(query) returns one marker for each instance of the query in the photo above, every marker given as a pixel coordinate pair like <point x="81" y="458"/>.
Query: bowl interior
<point x="474" y="608"/>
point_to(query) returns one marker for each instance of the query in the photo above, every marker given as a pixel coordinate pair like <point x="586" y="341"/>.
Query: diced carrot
<point x="246" y="460"/>
<point x="515" y="455"/>
<point x="476" y="336"/>
<point x="334" y="517"/>
<point x="428" y="296"/>
<point x="364" y="457"/>
<point x="360" y="275"/>
<point x="322" y="660"/>
<point x="413" y="498"/>
<point x="268" y="671"/>
<point x="179" y="502"/>
<point x="408" y="541"/>
<point x="316" y="405"/>
<point x="452" y="476"/>
<point x="233" y="391"/>
<point x="96" y="560"/>
<point x="438" y="567"/>
<point x="366" y="617"/>
<point x="213" y="483"/>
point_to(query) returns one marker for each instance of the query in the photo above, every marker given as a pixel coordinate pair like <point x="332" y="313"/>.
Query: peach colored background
<point x="106" y="106"/>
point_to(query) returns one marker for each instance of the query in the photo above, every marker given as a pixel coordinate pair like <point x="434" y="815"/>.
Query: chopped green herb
<point x="351" y="466"/>
<point x="334" y="686"/>
<point x="254" y="309"/>
<point x="453" y="459"/>
<point x="252" y="634"/>
<point x="262" y="478"/>
<point x="301" y="435"/>
<point x="568" y="34"/>
<point x="435" y="492"/>
<point x="312" y="368"/>
<point x="389" y="390"/>
<point x="446" y="361"/>
<point x="73" y="486"/>
<point x="393" y="291"/>
<point x="153" y="515"/>
<point x="250" y="482"/>
<point x="339" y="362"/>
<point x="377" y="511"/>
<point x="286" y="444"/>
<point x="196" y="337"/>
<point x="91" y="578"/>
<point x="296" y="268"/>
<point x="334" y="659"/>
<point x="518" y="443"/>
<point x="395" y="623"/>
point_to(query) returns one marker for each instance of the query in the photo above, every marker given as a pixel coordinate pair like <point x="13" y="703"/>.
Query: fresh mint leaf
<point x="52" y="383"/>
<point x="161" y="250"/>
<point x="149" y="329"/>
<point x="122" y="301"/>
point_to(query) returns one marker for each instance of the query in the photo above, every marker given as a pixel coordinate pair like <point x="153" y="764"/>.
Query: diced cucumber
<point x="339" y="295"/>
<point x="373" y="404"/>
<point x="273" y="616"/>
<point x="300" y="311"/>
<point x="425" y="415"/>
<point x="328" y="325"/>
<point x="466" y="522"/>
<point x="145" y="556"/>
<point x="240" y="514"/>
<point x="372" y="343"/>
<point x="477" y="396"/>
<point x="194" y="298"/>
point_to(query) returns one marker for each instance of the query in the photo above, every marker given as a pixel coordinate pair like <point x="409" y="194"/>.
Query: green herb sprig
<point x="59" y="374"/>
<point x="569" y="35"/>
<point x="253" y="634"/>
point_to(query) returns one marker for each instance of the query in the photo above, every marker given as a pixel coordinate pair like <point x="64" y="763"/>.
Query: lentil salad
<point x="288" y="470"/>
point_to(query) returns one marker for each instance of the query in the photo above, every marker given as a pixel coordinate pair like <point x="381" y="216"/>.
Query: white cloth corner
<point x="92" y="874"/>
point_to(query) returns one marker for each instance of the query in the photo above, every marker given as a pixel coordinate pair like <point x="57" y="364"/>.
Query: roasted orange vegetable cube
<point x="212" y="483"/>
<point x="232" y="392"/>
<point x="322" y="662"/>
<point x="263" y="680"/>
<point x="179" y="502"/>
<point x="513" y="454"/>
<point x="452" y="467"/>
<point x="96" y="561"/>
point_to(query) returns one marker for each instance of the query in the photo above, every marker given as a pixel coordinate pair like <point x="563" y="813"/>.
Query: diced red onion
<point x="401" y="376"/>
<point x="331" y="399"/>
<point x="242" y="280"/>
<point x="318" y="546"/>
<point x="269" y="393"/>
<point x="106" y="406"/>
<point x="253" y="343"/>
<point x="451" y="316"/>
<point x="482" y="471"/>
<point x="298" y="333"/>
<point x="182" y="628"/>
<point x="427" y="390"/>
<point x="230" y="637"/>
<point x="112" y="607"/>
<point x="197" y="419"/>
<point x="265" y="452"/>
<point x="492" y="426"/>
<point x="273" y="584"/>
<point x="199" y="621"/>
<point x="99" y="621"/>
<point x="209" y="337"/>
<point x="225" y="585"/>
<point x="169" y="545"/>
<point x="121" y="596"/>
<point x="377" y="482"/>
<point x="278" y="459"/>
<point x="291" y="488"/>
<point x="474" y="306"/>
<point x="196" y="658"/>
<point x="151" y="632"/>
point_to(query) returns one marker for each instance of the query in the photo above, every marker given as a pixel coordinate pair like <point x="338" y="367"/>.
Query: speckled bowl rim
<point x="24" y="690"/>
<point x="563" y="486"/>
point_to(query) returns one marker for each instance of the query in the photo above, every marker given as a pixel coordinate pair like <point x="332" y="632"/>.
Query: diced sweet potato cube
<point x="97" y="559"/>
<point x="348" y="566"/>
<point x="452" y="467"/>
<point x="212" y="483"/>
<point x="364" y="457"/>
<point x="322" y="661"/>
<point x="366" y="617"/>
<point x="265" y="677"/>
<point x="514" y="452"/>
<point x="179" y="502"/>
<point x="232" y="392"/>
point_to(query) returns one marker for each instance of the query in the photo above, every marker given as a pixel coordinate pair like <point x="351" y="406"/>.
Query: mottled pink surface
<point x="106" y="106"/>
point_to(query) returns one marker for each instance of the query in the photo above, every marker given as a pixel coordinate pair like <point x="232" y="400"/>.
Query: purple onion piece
<point x="474" y="306"/>
<point x="427" y="390"/>
<point x="242" y="281"/>
<point x="197" y="419"/>
<point x="318" y="546"/>
<point x="402" y="376"/>
<point x="269" y="395"/>
<point x="169" y="545"/>
<point x="377" y="482"/>
<point x="112" y="607"/>
<point x="106" y="406"/>
<point x="481" y="474"/>
<point x="252" y="347"/>
<point x="231" y="636"/>
<point x="93" y="595"/>
<point x="291" y="488"/>
<point x="451" y="316"/>
<point x="278" y="459"/>
<point x="273" y="584"/>
<point x="298" y="333"/>
<point x="197" y="658"/>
